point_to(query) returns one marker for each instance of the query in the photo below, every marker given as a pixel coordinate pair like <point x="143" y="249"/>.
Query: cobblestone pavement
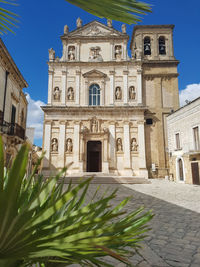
<point x="175" y="236"/>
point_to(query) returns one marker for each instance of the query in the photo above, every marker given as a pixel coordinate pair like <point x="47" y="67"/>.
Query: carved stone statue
<point x="118" y="93"/>
<point x="123" y="28"/>
<point x="109" y="23"/>
<point x="69" y="145"/>
<point x="119" y="145"/>
<point x="94" y="125"/>
<point x="71" y="53"/>
<point x="134" y="145"/>
<point x="54" y="145"/>
<point x="66" y="29"/>
<point x="70" y="94"/>
<point x="84" y="129"/>
<point x="132" y="92"/>
<point x="118" y="52"/>
<point x="78" y="23"/>
<point x="51" y="54"/>
<point x="138" y="53"/>
<point x="95" y="55"/>
<point x="56" y="94"/>
<point x="106" y="130"/>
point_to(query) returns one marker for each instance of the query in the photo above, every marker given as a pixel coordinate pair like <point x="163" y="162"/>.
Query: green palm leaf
<point x="127" y="11"/>
<point x="8" y="19"/>
<point x="43" y="222"/>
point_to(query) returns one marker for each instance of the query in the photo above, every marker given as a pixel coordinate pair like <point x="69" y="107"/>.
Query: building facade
<point x="13" y="104"/>
<point x="184" y="143"/>
<point x="106" y="111"/>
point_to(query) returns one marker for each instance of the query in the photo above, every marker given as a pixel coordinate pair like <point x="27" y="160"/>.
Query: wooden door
<point x="195" y="173"/>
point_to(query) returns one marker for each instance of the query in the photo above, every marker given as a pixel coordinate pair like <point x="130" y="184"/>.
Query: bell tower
<point x="155" y="42"/>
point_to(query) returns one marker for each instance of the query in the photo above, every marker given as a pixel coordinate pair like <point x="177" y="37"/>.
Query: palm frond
<point x="127" y="11"/>
<point x="8" y="19"/>
<point x="41" y="221"/>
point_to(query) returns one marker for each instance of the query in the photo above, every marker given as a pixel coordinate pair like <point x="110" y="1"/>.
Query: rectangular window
<point x="178" y="146"/>
<point x="196" y="138"/>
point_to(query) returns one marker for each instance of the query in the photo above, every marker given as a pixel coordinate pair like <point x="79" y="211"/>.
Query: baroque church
<point x="106" y="111"/>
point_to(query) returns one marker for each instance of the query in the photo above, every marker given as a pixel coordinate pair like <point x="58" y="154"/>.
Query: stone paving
<point x="175" y="236"/>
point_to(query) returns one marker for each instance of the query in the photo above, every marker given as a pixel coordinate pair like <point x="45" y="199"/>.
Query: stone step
<point x="106" y="180"/>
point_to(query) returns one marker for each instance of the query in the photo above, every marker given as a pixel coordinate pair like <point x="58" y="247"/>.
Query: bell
<point x="147" y="48"/>
<point x="162" y="48"/>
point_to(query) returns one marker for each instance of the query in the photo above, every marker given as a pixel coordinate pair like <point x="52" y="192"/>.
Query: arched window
<point x="94" y="95"/>
<point x="162" y="47"/>
<point x="147" y="46"/>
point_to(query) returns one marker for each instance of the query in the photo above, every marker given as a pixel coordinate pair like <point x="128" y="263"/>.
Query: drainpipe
<point x="5" y="91"/>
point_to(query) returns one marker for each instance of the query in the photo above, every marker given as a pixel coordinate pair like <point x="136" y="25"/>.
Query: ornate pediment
<point x="95" y="29"/>
<point x="94" y="74"/>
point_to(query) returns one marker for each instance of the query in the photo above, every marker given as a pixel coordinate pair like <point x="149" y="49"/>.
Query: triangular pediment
<point x="94" y="73"/>
<point x="95" y="29"/>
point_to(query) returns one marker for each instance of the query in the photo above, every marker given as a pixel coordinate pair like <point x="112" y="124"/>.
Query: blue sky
<point x="42" y="22"/>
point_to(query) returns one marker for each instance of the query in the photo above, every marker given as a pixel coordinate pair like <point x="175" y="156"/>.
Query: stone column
<point x="112" y="73"/>
<point x="78" y="51"/>
<point x="125" y="79"/>
<point x="127" y="156"/>
<point x="112" y="145"/>
<point x="139" y="86"/>
<point x="50" y="87"/>
<point x="124" y="51"/>
<point x="47" y="144"/>
<point x="76" y="142"/>
<point x="86" y="93"/>
<point x="61" y="144"/>
<point x="64" y="82"/>
<point x="78" y="73"/>
<point x="102" y="100"/>
<point x="111" y="51"/>
<point x="81" y="158"/>
<point x="141" y="149"/>
<point x="105" y="165"/>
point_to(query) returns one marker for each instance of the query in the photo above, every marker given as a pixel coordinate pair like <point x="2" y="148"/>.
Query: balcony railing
<point x="12" y="129"/>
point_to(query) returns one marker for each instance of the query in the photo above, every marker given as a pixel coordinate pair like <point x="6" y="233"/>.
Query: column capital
<point x="126" y="122"/>
<point x="112" y="122"/>
<point x="139" y="71"/>
<point x="64" y="72"/>
<point x="141" y="122"/>
<point x="49" y="122"/>
<point x="50" y="72"/>
<point x="77" y="122"/>
<point x="125" y="72"/>
<point x="112" y="72"/>
<point x="78" y="72"/>
<point x="62" y="122"/>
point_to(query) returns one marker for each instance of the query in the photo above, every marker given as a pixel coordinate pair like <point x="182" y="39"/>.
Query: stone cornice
<point x="160" y="75"/>
<point x="160" y="63"/>
<point x="10" y="65"/>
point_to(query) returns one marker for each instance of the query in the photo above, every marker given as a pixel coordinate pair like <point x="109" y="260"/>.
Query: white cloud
<point x="191" y="92"/>
<point x="35" y="116"/>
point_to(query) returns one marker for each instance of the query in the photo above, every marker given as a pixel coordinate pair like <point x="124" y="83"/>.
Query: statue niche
<point x="94" y="125"/>
<point x="119" y="145"/>
<point x="95" y="55"/>
<point x="71" y="53"/>
<point x="134" y="145"/>
<point x="118" y="93"/>
<point x="54" y="145"/>
<point x="69" y="145"/>
<point x="70" y="93"/>
<point x="132" y="92"/>
<point x="118" y="52"/>
<point x="56" y="94"/>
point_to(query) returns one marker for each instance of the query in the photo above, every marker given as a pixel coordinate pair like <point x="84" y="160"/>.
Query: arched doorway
<point x="180" y="171"/>
<point x="94" y="161"/>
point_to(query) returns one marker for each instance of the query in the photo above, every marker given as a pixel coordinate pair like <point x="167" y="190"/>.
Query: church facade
<point x="106" y="111"/>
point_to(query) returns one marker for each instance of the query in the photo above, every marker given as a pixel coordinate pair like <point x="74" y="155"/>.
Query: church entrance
<point x="94" y="162"/>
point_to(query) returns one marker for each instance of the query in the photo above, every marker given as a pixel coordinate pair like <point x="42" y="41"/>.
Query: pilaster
<point x="139" y="86"/>
<point x="142" y="152"/>
<point x="125" y="80"/>
<point x="50" y="86"/>
<point x="47" y="144"/>
<point x="112" y="146"/>
<point x="112" y="73"/>
<point x="61" y="144"/>
<point x="102" y="100"/>
<point x="127" y="156"/>
<point x="78" y="73"/>
<point x="76" y="142"/>
<point x="64" y="81"/>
